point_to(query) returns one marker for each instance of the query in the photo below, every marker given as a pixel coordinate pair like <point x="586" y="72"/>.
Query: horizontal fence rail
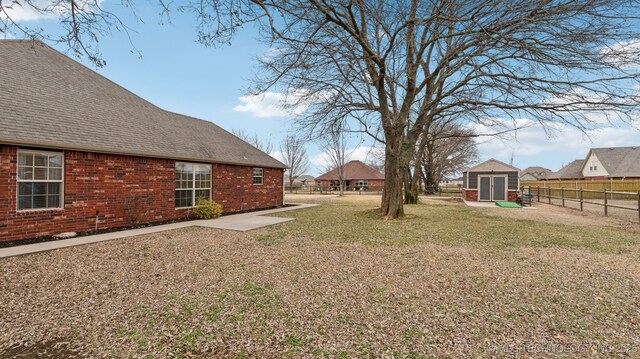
<point x="621" y="185"/>
<point x="605" y="198"/>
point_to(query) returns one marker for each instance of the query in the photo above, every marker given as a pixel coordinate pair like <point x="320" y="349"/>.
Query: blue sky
<point x="180" y="75"/>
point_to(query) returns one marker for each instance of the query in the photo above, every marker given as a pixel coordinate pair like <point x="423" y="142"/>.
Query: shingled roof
<point x="619" y="161"/>
<point x="571" y="171"/>
<point x="50" y="100"/>
<point x="353" y="170"/>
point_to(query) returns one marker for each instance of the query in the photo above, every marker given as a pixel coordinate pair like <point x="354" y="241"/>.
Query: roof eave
<point x="54" y="145"/>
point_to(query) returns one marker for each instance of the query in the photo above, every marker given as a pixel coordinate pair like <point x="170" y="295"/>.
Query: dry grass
<point x="447" y="281"/>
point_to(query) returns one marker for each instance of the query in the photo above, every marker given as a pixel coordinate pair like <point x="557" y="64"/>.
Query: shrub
<point x="207" y="209"/>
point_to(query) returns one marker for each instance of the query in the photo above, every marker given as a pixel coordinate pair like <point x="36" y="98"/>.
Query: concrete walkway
<point x="238" y="222"/>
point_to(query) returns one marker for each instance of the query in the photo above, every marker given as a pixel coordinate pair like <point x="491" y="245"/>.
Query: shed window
<point x="193" y="181"/>
<point x="258" y="176"/>
<point x="40" y="179"/>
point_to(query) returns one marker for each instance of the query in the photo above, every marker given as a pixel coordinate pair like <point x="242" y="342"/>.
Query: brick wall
<point x="470" y="194"/>
<point x="233" y="188"/>
<point x="123" y="189"/>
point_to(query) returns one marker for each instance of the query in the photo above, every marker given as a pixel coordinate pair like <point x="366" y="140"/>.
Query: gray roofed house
<point x="612" y="162"/>
<point x="79" y="153"/>
<point x="50" y="100"/>
<point x="572" y="171"/>
<point x="534" y="173"/>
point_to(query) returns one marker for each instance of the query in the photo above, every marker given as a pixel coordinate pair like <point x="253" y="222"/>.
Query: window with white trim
<point x="40" y="179"/>
<point x="193" y="181"/>
<point x="258" y="176"/>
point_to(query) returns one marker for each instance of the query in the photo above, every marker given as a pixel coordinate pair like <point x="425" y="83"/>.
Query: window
<point x="40" y="179"/>
<point x="258" y="175"/>
<point x="193" y="181"/>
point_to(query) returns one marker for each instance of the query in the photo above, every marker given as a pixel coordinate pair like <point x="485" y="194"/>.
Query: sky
<point x="178" y="74"/>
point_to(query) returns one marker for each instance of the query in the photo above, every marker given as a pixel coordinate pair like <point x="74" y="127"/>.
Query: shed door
<point x="499" y="188"/>
<point x="484" y="188"/>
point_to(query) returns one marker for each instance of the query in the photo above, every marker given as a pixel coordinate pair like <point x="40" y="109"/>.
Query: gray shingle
<point x="619" y="161"/>
<point x="50" y="100"/>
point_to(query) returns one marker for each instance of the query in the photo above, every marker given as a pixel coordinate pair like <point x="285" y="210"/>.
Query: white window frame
<point x="253" y="178"/>
<point x="194" y="189"/>
<point x="18" y="180"/>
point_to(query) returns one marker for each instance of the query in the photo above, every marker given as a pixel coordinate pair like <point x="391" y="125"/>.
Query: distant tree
<point x="265" y="146"/>
<point x="294" y="154"/>
<point x="334" y="145"/>
<point x="448" y="151"/>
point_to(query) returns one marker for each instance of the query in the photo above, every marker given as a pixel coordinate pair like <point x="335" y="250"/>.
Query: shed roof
<point x="353" y="170"/>
<point x="618" y="161"/>
<point x="50" y="100"/>
<point x="493" y="165"/>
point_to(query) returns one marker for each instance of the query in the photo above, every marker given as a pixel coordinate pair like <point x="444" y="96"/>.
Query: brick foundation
<point x="124" y="189"/>
<point x="472" y="195"/>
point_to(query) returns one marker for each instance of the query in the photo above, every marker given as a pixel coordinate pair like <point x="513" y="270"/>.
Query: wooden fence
<point x="597" y="185"/>
<point x="605" y="198"/>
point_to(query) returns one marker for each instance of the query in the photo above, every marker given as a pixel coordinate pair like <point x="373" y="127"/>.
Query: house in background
<point x="612" y="163"/>
<point x="76" y="147"/>
<point x="357" y="176"/>
<point x="302" y="183"/>
<point x="451" y="182"/>
<point x="534" y="173"/>
<point x="491" y="180"/>
<point x="572" y="171"/>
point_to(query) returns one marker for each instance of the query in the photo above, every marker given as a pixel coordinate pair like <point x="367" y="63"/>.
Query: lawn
<point x="446" y="281"/>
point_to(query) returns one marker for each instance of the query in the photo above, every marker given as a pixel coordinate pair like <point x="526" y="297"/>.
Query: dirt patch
<point x="542" y="212"/>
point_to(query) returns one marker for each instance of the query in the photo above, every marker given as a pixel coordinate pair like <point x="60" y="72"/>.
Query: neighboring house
<point x="612" y="163"/>
<point x="491" y="180"/>
<point x="75" y="146"/>
<point x="357" y="176"/>
<point x="572" y="171"/>
<point x="534" y="173"/>
<point x="303" y="182"/>
<point x="451" y="182"/>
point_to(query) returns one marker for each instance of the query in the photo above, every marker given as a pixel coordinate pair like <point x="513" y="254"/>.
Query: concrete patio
<point x="237" y="222"/>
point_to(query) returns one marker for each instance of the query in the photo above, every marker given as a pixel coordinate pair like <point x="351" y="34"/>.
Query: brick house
<point x="357" y="176"/>
<point x="74" y="145"/>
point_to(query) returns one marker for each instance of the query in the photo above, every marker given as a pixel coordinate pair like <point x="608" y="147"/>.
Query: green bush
<point x="207" y="209"/>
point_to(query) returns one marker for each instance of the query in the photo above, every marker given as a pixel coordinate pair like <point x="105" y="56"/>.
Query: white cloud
<point x="273" y="104"/>
<point x="625" y="55"/>
<point x="22" y="11"/>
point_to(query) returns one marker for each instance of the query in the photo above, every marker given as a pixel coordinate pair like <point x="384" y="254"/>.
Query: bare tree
<point x="449" y="151"/>
<point x="265" y="146"/>
<point x="335" y="149"/>
<point x="294" y="154"/>
<point x="392" y="67"/>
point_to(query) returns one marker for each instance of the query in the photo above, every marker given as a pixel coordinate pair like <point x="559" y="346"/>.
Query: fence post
<point x="639" y="206"/>
<point x="606" y="210"/>
<point x="562" y="195"/>
<point x="580" y="199"/>
<point x="538" y="193"/>
<point x="549" y="194"/>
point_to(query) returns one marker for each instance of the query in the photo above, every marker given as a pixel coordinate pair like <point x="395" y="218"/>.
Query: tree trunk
<point x="412" y="184"/>
<point x="290" y="185"/>
<point x="392" y="206"/>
